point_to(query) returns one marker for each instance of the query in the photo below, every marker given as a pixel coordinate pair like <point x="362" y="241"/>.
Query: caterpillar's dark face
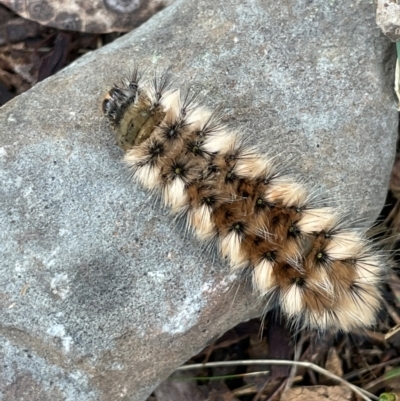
<point x="132" y="112"/>
<point x="116" y="102"/>
<point x="321" y="274"/>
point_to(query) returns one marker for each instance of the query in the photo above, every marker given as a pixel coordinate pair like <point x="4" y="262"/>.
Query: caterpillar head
<point x="132" y="114"/>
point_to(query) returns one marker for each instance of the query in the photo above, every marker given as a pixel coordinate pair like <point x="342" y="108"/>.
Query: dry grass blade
<point x="370" y="368"/>
<point x="365" y="395"/>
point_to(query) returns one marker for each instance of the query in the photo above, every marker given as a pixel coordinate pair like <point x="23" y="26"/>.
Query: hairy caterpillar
<point x="301" y="255"/>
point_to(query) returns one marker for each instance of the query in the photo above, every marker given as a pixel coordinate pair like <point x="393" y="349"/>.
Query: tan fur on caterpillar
<point x="301" y="256"/>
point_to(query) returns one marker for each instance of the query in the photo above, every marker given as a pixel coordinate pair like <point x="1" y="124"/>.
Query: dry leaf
<point x="319" y="393"/>
<point x="334" y="365"/>
<point x="94" y="16"/>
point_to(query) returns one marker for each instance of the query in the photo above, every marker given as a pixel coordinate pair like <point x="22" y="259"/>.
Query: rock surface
<point x="388" y="18"/>
<point x="100" y="298"/>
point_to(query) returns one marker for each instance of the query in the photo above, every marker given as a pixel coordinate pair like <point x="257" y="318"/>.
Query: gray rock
<point x="388" y="19"/>
<point x="100" y="298"/>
